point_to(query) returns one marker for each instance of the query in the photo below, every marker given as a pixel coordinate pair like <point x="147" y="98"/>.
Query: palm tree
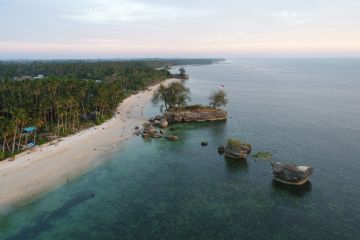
<point x="17" y="118"/>
<point x="4" y="130"/>
<point x="23" y="119"/>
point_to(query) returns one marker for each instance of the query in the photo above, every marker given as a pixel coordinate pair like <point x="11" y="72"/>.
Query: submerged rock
<point x="157" y="135"/>
<point x="172" y="138"/>
<point x="204" y="144"/>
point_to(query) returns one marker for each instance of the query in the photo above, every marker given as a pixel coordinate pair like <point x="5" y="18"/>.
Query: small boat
<point x="291" y="174"/>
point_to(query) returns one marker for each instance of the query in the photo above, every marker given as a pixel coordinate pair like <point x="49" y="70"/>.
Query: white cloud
<point x="294" y="17"/>
<point x="112" y="11"/>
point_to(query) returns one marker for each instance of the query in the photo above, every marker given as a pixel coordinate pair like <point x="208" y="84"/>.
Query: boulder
<point x="149" y="129"/>
<point x="204" y="144"/>
<point x="164" y="123"/>
<point x="172" y="138"/>
<point x="158" y="118"/>
<point x="221" y="149"/>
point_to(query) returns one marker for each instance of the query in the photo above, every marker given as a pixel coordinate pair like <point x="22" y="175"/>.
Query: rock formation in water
<point x="195" y="115"/>
<point x="237" y="149"/>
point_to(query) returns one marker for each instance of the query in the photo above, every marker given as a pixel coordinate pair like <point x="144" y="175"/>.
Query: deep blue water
<point x="305" y="111"/>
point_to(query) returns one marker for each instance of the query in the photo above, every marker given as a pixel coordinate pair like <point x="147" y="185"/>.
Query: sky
<point x="54" y="29"/>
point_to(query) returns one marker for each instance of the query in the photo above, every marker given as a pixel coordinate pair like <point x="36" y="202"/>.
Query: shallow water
<point x="305" y="111"/>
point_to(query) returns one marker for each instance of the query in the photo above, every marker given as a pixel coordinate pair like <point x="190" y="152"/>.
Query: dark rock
<point x="149" y="129"/>
<point x="221" y="149"/>
<point x="204" y="144"/>
<point x="158" y="118"/>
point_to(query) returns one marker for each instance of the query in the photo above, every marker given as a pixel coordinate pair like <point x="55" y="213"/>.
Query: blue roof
<point x="30" y="129"/>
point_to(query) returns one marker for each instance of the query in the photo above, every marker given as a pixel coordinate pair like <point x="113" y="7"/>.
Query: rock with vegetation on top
<point x="237" y="149"/>
<point x="195" y="114"/>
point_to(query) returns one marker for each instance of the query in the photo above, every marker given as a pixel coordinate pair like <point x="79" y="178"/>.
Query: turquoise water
<point x="304" y="111"/>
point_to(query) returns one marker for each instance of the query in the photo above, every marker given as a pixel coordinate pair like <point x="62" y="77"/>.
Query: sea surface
<point x="304" y="111"/>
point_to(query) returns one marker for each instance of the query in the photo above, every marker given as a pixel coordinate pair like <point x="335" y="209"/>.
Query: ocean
<point x="303" y="111"/>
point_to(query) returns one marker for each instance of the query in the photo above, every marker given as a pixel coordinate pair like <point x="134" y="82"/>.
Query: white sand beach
<point x="49" y="166"/>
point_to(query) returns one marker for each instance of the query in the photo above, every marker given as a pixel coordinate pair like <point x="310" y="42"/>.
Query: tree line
<point x="177" y="96"/>
<point x="61" y="105"/>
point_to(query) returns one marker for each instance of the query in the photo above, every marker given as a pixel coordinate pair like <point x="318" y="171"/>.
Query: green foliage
<point x="234" y="143"/>
<point x="263" y="155"/>
<point x="237" y="145"/>
<point x="182" y="72"/>
<point x="175" y="95"/>
<point x="94" y="70"/>
<point x="62" y="105"/>
<point x="218" y="98"/>
<point x="73" y="95"/>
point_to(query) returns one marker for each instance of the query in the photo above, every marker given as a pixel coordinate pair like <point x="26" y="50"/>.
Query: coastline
<point x="52" y="165"/>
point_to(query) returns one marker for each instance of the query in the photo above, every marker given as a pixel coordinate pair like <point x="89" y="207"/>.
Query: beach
<point x="52" y="165"/>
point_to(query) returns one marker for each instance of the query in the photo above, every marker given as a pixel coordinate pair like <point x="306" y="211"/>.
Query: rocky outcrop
<point x="237" y="149"/>
<point x="200" y="115"/>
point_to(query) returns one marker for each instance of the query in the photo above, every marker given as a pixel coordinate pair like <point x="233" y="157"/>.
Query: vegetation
<point x="233" y="143"/>
<point x="72" y="96"/>
<point x="95" y="70"/>
<point x="182" y="72"/>
<point x="218" y="99"/>
<point x="176" y="95"/>
<point x="263" y="155"/>
<point x="237" y="145"/>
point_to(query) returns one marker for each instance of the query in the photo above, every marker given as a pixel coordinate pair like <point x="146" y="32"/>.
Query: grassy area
<point x="263" y="155"/>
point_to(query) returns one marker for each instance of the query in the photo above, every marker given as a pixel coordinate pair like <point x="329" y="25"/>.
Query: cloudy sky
<point x="186" y="28"/>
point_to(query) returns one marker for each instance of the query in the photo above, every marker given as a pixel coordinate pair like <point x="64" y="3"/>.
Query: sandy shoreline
<point x="50" y="166"/>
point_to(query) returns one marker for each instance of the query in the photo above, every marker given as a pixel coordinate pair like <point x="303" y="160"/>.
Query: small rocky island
<point x="195" y="113"/>
<point x="174" y="100"/>
<point x="235" y="149"/>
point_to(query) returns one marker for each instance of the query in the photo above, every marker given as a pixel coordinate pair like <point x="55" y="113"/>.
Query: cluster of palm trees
<point x="57" y="106"/>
